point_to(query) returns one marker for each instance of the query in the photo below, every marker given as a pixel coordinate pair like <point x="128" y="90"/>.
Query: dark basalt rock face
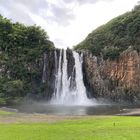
<point x="87" y="80"/>
<point x="71" y="68"/>
<point x="71" y="62"/>
<point x="48" y="75"/>
<point x="50" y="69"/>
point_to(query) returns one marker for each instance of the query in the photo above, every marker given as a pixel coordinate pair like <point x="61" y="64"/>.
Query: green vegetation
<point x="111" y="53"/>
<point x="5" y="113"/>
<point x="101" y="128"/>
<point x="115" y="36"/>
<point x="21" y="49"/>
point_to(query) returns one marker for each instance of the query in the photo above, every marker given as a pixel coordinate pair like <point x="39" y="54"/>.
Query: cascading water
<point x="64" y="93"/>
<point x="80" y="90"/>
<point x="58" y="80"/>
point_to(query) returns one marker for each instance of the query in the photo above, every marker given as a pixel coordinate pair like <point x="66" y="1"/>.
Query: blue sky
<point x="67" y="22"/>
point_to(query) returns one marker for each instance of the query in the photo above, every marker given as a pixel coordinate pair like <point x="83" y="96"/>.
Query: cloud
<point x="61" y="11"/>
<point x="19" y="10"/>
<point x="66" y="21"/>
<point x="32" y="5"/>
<point x="80" y="2"/>
<point x="60" y="42"/>
<point x="62" y="15"/>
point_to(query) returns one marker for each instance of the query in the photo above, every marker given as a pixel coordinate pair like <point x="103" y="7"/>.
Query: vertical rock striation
<point x="117" y="80"/>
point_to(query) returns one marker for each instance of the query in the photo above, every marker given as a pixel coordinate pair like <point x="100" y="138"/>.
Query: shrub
<point x="111" y="53"/>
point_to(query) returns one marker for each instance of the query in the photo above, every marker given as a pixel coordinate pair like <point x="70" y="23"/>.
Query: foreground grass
<point x="102" y="128"/>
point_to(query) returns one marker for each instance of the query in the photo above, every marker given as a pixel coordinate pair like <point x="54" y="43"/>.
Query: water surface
<point x="75" y="110"/>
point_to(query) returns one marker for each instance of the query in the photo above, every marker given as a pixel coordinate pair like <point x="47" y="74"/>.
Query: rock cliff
<point x="118" y="79"/>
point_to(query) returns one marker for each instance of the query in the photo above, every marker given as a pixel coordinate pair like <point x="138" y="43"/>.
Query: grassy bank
<point x="85" y="128"/>
<point x="2" y="112"/>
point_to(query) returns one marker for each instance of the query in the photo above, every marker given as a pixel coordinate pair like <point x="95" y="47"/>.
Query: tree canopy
<point x="21" y="48"/>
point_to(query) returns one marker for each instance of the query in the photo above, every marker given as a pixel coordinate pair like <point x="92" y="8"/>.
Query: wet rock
<point x="71" y="68"/>
<point x="49" y="72"/>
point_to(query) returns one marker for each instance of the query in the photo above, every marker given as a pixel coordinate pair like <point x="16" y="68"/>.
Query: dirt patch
<point x="130" y="112"/>
<point x="27" y="118"/>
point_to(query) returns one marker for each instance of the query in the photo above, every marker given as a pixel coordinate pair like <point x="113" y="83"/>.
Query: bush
<point x="13" y="88"/>
<point x="111" y="53"/>
<point x="2" y="101"/>
<point x="21" y="51"/>
<point x="137" y="48"/>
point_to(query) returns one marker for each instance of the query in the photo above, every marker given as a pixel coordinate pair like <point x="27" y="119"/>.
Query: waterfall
<point x="80" y="90"/>
<point x="66" y="92"/>
<point x="58" y="79"/>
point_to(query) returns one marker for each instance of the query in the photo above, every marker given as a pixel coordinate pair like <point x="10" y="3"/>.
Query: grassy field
<point x="83" y="128"/>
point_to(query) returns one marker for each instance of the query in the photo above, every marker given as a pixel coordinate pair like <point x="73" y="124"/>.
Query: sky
<point x="67" y="22"/>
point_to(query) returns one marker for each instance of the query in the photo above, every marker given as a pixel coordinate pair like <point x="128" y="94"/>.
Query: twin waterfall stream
<point x="69" y="89"/>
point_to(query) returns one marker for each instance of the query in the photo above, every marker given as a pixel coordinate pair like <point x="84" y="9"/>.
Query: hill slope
<point x="115" y="36"/>
<point x="21" y="52"/>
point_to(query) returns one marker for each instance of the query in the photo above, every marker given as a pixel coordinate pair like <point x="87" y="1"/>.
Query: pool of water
<point x="75" y="110"/>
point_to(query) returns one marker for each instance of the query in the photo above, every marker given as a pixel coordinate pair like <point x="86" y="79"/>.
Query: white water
<point x="80" y="92"/>
<point x="63" y="93"/>
<point x="58" y="80"/>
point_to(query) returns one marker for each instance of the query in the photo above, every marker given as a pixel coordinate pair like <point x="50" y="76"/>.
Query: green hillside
<point x="115" y="36"/>
<point x="21" y="48"/>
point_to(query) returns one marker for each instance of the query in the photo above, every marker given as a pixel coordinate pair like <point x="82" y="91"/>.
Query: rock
<point x="117" y="80"/>
<point x="71" y="68"/>
<point x="49" y="72"/>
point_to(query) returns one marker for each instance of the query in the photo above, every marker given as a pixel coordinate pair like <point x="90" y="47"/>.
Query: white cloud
<point x="67" y="21"/>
